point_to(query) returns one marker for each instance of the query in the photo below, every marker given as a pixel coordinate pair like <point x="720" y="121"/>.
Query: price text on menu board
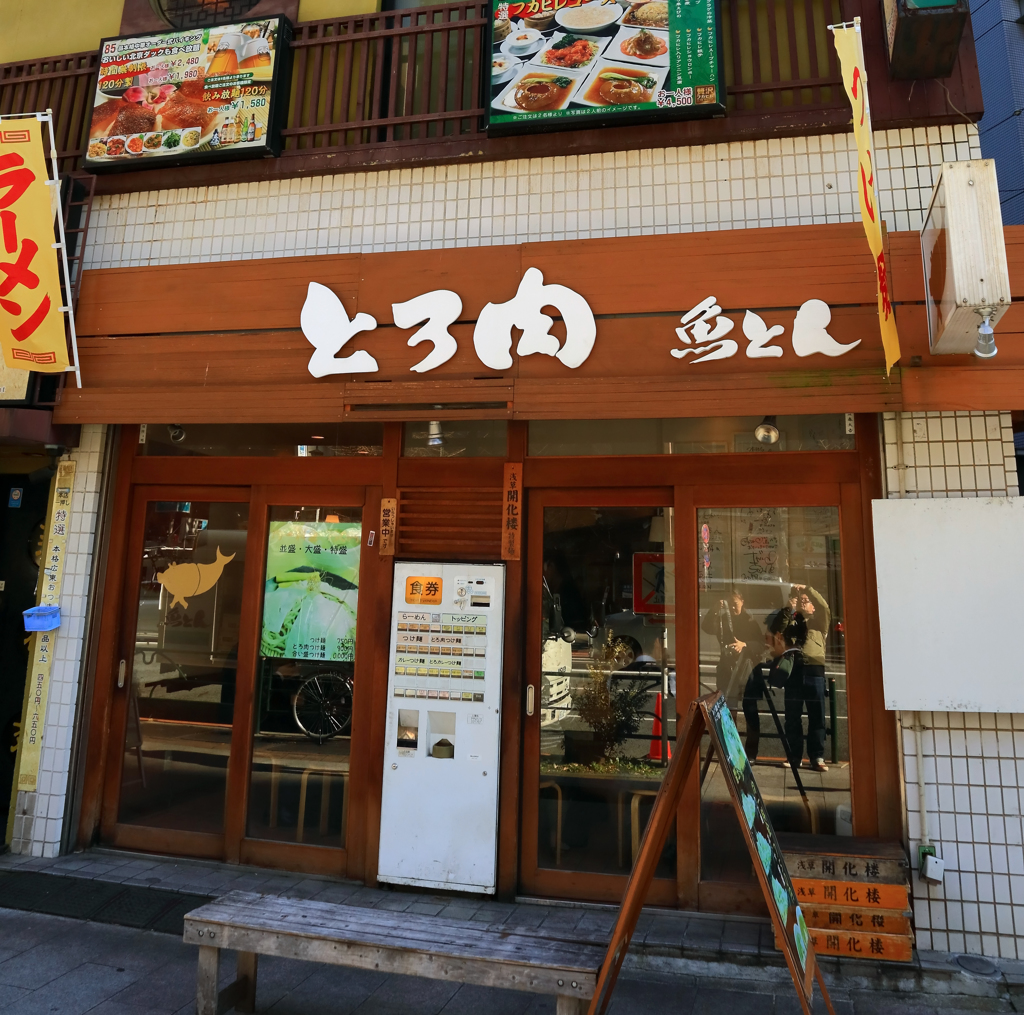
<point x="557" y="64"/>
<point x="206" y="94"/>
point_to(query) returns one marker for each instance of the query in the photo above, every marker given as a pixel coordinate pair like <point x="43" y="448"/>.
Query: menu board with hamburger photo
<point x="204" y="94"/>
<point x="567" y="63"/>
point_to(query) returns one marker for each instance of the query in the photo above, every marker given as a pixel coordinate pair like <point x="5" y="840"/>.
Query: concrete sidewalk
<point x="49" y="964"/>
<point x="674" y="954"/>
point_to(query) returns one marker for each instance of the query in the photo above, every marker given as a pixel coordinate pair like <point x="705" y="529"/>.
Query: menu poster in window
<point x="572" y="64"/>
<point x="311" y="591"/>
<point x="759" y="834"/>
<point x="196" y="95"/>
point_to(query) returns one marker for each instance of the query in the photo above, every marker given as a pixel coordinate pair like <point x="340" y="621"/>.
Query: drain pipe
<point x="930" y="868"/>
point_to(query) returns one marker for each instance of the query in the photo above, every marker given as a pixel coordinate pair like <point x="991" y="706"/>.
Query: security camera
<point x="176" y="432"/>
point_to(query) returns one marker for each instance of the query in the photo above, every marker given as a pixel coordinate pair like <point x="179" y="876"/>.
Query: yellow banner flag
<point x="31" y="321"/>
<point x="855" y="79"/>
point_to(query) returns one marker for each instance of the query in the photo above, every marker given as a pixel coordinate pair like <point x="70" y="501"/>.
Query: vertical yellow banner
<point x="40" y="661"/>
<point x="31" y="321"/>
<point x="850" y="49"/>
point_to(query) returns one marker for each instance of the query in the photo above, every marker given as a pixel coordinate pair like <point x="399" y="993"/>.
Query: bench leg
<point x="207" y="989"/>
<point x="565" y="1005"/>
<point x="246" y="974"/>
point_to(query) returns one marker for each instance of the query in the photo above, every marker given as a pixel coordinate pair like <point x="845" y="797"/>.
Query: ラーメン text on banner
<point x="31" y="320"/>
<point x="850" y="50"/>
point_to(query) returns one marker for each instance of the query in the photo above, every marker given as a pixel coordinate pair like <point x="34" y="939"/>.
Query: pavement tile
<point x="426" y="909"/>
<point x="409" y="995"/>
<point x="741" y="937"/>
<point x="167" y="987"/>
<point x="666" y="933"/>
<point x="399" y="904"/>
<point x="473" y="1000"/>
<point x="9" y="994"/>
<point x="330" y="990"/>
<point x="75" y="992"/>
<point x="118" y="1008"/>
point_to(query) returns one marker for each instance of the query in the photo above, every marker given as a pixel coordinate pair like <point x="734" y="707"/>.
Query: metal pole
<point x="62" y="246"/>
<point x="832" y="708"/>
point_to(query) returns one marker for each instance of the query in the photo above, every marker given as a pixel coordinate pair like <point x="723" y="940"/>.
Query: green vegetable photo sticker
<point x="312" y="590"/>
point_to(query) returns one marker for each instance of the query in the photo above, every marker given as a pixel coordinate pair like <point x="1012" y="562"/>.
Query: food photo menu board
<point x="562" y="64"/>
<point x="197" y="95"/>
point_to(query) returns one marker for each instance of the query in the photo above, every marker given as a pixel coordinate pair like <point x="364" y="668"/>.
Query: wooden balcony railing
<point x="408" y="75"/>
<point x="421" y="75"/>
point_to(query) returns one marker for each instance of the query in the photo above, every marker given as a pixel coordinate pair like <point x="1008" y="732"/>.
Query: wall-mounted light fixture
<point x="435" y="438"/>
<point x="767" y="432"/>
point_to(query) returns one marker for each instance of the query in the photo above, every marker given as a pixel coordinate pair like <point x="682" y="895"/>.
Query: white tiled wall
<point x="950" y="454"/>
<point x="973" y="762"/>
<point x="750" y="184"/>
<point x="39" y="816"/>
<point x="974" y="770"/>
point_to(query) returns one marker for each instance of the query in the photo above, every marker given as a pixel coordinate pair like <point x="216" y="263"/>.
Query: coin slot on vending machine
<point x="441" y="734"/>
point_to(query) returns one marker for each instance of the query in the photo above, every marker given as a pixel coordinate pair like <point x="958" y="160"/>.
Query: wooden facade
<point x="253" y="358"/>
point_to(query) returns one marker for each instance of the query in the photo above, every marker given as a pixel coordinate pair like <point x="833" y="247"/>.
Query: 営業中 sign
<point x="203" y="94"/>
<point x="569" y="63"/>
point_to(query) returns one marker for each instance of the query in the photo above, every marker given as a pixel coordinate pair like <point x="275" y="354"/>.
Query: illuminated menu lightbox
<point x="201" y="95"/>
<point x="563" y="64"/>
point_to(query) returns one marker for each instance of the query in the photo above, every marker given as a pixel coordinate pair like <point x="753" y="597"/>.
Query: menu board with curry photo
<point x="562" y="64"/>
<point x="196" y="95"/>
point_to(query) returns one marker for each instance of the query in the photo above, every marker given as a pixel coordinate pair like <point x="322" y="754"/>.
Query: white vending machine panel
<point x="439" y="812"/>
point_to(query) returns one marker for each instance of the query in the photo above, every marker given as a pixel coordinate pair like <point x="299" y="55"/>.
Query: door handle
<point x="529" y="699"/>
<point x="120" y="673"/>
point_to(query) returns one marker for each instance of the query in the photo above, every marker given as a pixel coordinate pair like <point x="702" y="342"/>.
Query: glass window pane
<point x="264" y="440"/>
<point x="183" y="670"/>
<point x="772" y="640"/>
<point x="303" y="720"/>
<point x="685" y="436"/>
<point x="607" y="701"/>
<point x="455" y="438"/>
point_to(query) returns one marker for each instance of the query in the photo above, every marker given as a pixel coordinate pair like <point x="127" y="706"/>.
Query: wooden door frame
<point x="846" y="480"/>
<point x="536" y="880"/>
<point x="303" y="857"/>
<point x="144" y="837"/>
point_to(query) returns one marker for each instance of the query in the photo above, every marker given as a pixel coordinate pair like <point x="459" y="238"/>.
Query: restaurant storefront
<point x="249" y="666"/>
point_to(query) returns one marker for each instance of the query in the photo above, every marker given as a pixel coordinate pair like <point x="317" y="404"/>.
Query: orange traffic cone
<point x="655" y="753"/>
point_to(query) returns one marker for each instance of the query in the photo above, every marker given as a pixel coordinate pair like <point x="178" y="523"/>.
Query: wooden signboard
<point x="512" y="512"/>
<point x="388" y="525"/>
<point x="711" y="713"/>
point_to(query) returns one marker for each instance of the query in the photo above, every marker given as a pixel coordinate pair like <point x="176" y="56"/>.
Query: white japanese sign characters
<point x="705" y="332"/>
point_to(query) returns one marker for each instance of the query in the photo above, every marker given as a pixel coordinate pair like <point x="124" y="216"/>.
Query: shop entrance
<point x="236" y="680"/>
<point x="640" y="600"/>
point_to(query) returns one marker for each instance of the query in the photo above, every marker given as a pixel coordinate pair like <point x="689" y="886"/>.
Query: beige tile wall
<point x="751" y="184"/>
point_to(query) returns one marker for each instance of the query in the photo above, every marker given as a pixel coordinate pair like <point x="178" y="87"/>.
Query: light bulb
<point x="766" y="431"/>
<point x="986" y="347"/>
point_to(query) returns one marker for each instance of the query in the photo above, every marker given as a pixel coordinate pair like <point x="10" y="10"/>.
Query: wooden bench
<point x="384" y="941"/>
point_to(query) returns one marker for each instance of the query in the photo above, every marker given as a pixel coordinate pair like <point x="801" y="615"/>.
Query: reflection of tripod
<point x="766" y="693"/>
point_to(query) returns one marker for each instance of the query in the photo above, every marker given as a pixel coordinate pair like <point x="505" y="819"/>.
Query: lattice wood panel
<point x="451" y="524"/>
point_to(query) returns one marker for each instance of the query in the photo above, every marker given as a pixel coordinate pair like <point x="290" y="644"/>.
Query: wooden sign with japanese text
<point x="31" y="319"/>
<point x="42" y="644"/>
<point x="512" y="512"/>
<point x="388" y="526"/>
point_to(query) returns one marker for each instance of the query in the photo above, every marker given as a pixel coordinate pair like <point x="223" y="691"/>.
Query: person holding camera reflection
<point x="810" y="604"/>
<point x="740" y="642"/>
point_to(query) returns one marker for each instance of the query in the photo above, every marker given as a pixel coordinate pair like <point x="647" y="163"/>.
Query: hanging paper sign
<point x="31" y="320"/>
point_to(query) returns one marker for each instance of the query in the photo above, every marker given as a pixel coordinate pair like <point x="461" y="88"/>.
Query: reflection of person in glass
<point x="739" y="638"/>
<point x="807" y="601"/>
<point x="784" y="638"/>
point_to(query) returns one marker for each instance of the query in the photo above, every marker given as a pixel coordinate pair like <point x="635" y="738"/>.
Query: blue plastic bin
<point x="42" y="618"/>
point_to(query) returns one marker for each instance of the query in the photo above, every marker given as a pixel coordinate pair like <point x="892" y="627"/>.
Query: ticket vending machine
<point x="439" y="812"/>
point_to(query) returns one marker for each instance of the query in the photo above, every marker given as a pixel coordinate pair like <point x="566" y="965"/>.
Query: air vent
<point x="450" y="524"/>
